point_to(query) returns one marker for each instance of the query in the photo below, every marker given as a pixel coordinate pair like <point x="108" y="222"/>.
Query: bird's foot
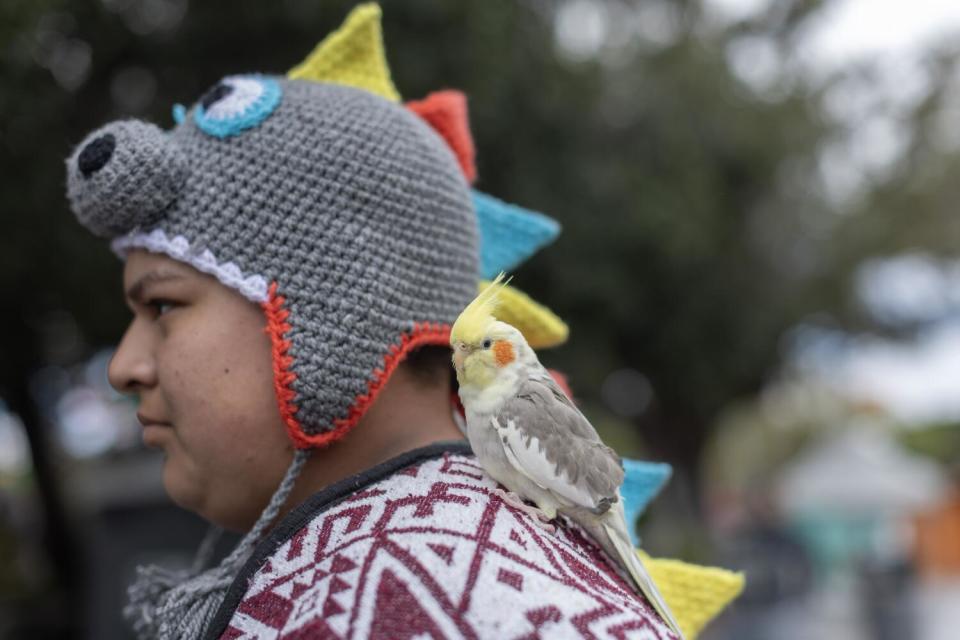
<point x="540" y="518"/>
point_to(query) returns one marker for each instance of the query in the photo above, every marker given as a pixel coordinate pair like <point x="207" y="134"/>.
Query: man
<point x="295" y="252"/>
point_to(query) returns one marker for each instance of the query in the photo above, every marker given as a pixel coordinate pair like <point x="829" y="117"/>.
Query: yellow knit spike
<point x="352" y="55"/>
<point x="540" y="327"/>
<point x="695" y="594"/>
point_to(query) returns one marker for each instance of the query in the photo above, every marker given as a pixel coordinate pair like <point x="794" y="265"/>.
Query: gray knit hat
<point x="340" y="211"/>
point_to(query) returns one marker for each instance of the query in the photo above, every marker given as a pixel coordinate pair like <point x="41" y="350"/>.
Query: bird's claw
<point x="540" y="518"/>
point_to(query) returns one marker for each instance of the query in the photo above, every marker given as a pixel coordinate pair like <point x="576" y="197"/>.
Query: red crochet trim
<point x="277" y="326"/>
<point x="422" y="334"/>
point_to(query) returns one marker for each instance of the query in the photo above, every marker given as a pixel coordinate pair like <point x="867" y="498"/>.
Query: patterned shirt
<point x="420" y="547"/>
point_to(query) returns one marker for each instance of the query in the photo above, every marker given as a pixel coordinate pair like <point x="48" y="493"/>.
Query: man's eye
<point x="160" y="305"/>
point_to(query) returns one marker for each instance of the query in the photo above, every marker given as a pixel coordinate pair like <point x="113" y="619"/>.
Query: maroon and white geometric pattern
<point x="430" y="552"/>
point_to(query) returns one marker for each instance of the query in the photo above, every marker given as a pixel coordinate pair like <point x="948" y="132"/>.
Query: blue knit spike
<point x="641" y="483"/>
<point x="509" y="234"/>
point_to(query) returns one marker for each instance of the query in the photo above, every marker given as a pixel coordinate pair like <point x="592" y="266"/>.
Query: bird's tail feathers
<point x="638" y="572"/>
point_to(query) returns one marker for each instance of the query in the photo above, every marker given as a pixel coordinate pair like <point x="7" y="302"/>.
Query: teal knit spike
<point x="641" y="483"/>
<point x="509" y="234"/>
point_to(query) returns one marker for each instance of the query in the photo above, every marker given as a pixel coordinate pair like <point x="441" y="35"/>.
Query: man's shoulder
<point x="428" y="548"/>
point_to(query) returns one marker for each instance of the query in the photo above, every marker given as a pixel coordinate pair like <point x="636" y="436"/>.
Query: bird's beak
<point x="459" y="355"/>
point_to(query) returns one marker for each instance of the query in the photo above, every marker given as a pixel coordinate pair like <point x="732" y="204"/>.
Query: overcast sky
<point x="850" y="28"/>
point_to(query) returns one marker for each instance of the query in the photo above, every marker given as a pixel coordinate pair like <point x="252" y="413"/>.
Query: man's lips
<point x="152" y="437"/>
<point x="147" y="421"/>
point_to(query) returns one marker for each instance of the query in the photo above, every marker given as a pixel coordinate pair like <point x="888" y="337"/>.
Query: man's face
<point x="197" y="356"/>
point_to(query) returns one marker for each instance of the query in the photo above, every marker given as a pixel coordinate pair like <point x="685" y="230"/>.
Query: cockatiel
<point x="530" y="438"/>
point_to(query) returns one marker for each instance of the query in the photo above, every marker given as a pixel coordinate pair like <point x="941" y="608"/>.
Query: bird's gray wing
<point x="548" y="440"/>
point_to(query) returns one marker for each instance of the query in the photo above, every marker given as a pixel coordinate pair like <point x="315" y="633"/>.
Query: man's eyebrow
<point x="135" y="292"/>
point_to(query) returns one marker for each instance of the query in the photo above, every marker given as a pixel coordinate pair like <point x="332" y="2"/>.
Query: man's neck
<point x="407" y="414"/>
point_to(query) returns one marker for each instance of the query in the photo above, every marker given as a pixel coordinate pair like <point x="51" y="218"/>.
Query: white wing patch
<point x="526" y="457"/>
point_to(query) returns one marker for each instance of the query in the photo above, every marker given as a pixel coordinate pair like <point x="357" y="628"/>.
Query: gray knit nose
<point x="124" y="175"/>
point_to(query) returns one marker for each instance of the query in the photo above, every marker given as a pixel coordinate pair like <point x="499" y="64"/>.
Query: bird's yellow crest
<point x="477" y="317"/>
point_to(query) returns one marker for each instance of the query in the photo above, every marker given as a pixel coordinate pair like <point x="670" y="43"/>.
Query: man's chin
<point x="182" y="493"/>
<point x="155" y="436"/>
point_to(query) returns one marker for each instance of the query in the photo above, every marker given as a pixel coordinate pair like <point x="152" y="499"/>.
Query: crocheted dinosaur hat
<point x="340" y="211"/>
<point x="345" y="214"/>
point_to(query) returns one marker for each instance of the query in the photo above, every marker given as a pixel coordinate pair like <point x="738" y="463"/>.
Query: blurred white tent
<point x="860" y="471"/>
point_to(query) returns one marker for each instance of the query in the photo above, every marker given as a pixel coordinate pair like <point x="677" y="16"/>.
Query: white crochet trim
<point x="252" y="287"/>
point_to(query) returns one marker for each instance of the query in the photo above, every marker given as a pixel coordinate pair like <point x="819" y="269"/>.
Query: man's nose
<point x="132" y="367"/>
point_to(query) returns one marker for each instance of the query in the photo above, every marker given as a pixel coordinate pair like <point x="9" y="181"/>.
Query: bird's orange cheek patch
<point x="503" y="352"/>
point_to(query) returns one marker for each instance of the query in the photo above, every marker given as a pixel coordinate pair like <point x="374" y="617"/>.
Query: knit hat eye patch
<point x="235" y="104"/>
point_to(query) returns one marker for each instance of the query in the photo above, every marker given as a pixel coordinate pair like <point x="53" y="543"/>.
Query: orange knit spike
<point x="446" y="112"/>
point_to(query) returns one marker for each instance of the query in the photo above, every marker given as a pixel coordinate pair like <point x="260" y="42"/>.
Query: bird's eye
<point x="236" y="103"/>
<point x="486" y="343"/>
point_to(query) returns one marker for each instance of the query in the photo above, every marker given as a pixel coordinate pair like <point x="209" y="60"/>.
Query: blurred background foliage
<point x="720" y="205"/>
